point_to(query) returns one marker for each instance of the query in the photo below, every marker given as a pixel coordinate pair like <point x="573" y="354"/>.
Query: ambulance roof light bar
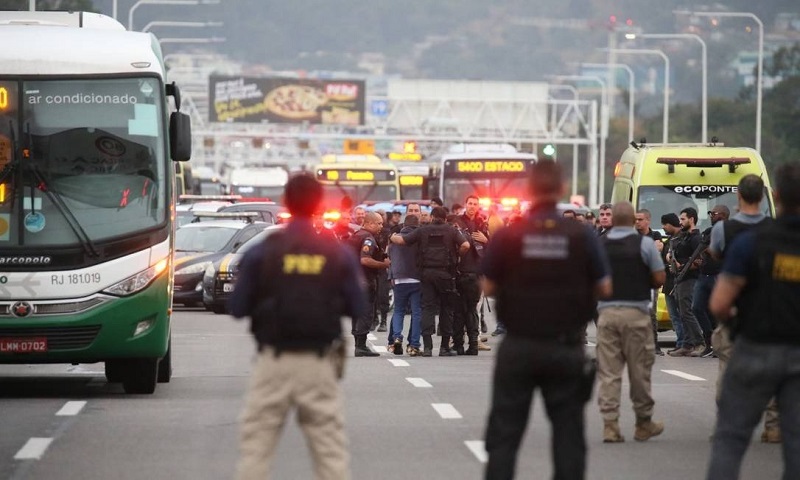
<point x="731" y="162"/>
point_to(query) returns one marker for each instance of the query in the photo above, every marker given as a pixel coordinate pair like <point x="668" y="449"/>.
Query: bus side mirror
<point x="180" y="136"/>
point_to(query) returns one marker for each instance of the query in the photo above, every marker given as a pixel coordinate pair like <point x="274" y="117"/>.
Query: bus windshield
<point x="496" y="189"/>
<point x="90" y="165"/>
<point x="660" y="200"/>
<point x="333" y="194"/>
<point x="249" y="191"/>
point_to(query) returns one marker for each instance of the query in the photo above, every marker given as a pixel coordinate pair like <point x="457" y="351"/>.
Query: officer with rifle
<point x="686" y="245"/>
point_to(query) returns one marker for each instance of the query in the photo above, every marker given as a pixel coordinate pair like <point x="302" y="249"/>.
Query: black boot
<point x="427" y="344"/>
<point x="361" y="347"/>
<point x="444" y="348"/>
<point x="473" y="347"/>
<point x="382" y="326"/>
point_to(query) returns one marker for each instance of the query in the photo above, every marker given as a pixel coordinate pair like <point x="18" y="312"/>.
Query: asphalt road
<point x="421" y="418"/>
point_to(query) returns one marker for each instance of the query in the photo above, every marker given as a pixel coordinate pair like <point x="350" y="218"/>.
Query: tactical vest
<point x="735" y="227"/>
<point x="437" y="247"/>
<point x="769" y="307"/>
<point x="547" y="293"/>
<point x="303" y="307"/>
<point x="630" y="275"/>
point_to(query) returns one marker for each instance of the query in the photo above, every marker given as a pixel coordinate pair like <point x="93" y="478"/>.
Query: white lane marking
<point x="678" y="373"/>
<point x="380" y="349"/>
<point x="418" y="382"/>
<point x="446" y="410"/>
<point x="590" y="344"/>
<point x="478" y="448"/>
<point x="33" y="449"/>
<point x="398" y="363"/>
<point x="371" y="337"/>
<point x="71" y="408"/>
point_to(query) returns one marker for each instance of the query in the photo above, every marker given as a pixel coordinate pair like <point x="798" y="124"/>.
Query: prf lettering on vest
<point x="545" y="247"/>
<point x="786" y="268"/>
<point x="301" y="264"/>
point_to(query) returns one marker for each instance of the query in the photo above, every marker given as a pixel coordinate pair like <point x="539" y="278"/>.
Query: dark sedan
<point x="198" y="246"/>
<point x="220" y="276"/>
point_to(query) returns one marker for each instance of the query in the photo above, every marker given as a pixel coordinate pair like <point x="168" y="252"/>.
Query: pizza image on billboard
<point x="295" y="101"/>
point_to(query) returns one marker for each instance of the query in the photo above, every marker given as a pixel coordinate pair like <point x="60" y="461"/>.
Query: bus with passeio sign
<point x="358" y="178"/>
<point x="496" y="173"/>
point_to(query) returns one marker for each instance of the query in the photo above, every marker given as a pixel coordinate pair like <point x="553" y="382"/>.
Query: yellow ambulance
<point x="666" y="178"/>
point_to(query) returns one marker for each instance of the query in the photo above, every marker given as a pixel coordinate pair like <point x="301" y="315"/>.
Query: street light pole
<point x="644" y="51"/>
<point x="158" y="23"/>
<point x="191" y="40"/>
<point x="574" y="92"/>
<point x="596" y="194"/>
<point x="704" y="68"/>
<point x="632" y="85"/>
<point x="156" y="2"/>
<point x="760" y="66"/>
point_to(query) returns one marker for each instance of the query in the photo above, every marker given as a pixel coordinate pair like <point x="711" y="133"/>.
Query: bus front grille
<point x="58" y="338"/>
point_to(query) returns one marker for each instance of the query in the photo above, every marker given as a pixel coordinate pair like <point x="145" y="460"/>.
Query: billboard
<point x="286" y="100"/>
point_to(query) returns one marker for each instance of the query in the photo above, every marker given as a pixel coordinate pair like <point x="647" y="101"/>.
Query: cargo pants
<point x="624" y="337"/>
<point x="306" y="381"/>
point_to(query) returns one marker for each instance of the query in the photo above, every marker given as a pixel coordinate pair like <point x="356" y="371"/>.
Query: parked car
<point x="199" y="245"/>
<point x="219" y="277"/>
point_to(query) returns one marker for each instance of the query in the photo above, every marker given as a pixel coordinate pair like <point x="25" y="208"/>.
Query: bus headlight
<point x="139" y="281"/>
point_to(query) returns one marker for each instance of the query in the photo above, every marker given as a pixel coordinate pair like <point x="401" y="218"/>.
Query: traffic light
<point x="549" y="151"/>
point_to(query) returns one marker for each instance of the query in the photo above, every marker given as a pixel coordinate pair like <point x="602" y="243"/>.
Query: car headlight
<point x="210" y="271"/>
<point x="196" y="268"/>
<point x="139" y="281"/>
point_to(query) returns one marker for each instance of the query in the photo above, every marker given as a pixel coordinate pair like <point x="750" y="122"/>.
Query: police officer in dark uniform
<point x="476" y="230"/>
<point x="297" y="364"/>
<point x="440" y="246"/>
<point x="374" y="262"/>
<point x="545" y="273"/>
<point x="761" y="276"/>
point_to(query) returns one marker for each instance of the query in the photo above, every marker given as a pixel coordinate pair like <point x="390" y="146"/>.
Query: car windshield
<point x="661" y="200"/>
<point x="203" y="238"/>
<point x="92" y="161"/>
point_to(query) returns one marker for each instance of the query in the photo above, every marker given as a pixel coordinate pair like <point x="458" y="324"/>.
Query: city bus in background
<point x="668" y="178"/>
<point x="205" y="181"/>
<point x="416" y="181"/>
<point x="496" y="173"/>
<point x="87" y="146"/>
<point x="257" y="184"/>
<point x="356" y="178"/>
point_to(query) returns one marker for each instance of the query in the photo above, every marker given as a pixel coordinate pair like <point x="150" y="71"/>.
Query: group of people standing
<point x="549" y="276"/>
<point x="548" y="272"/>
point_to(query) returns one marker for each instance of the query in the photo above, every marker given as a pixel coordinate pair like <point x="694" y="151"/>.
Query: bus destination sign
<point x="467" y="167"/>
<point x="355" y="175"/>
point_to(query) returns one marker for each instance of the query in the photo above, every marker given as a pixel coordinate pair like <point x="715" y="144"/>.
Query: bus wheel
<point x="165" y="366"/>
<point x="141" y="375"/>
<point x="115" y="371"/>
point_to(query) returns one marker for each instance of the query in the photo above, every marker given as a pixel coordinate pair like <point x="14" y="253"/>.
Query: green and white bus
<point x="87" y="195"/>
